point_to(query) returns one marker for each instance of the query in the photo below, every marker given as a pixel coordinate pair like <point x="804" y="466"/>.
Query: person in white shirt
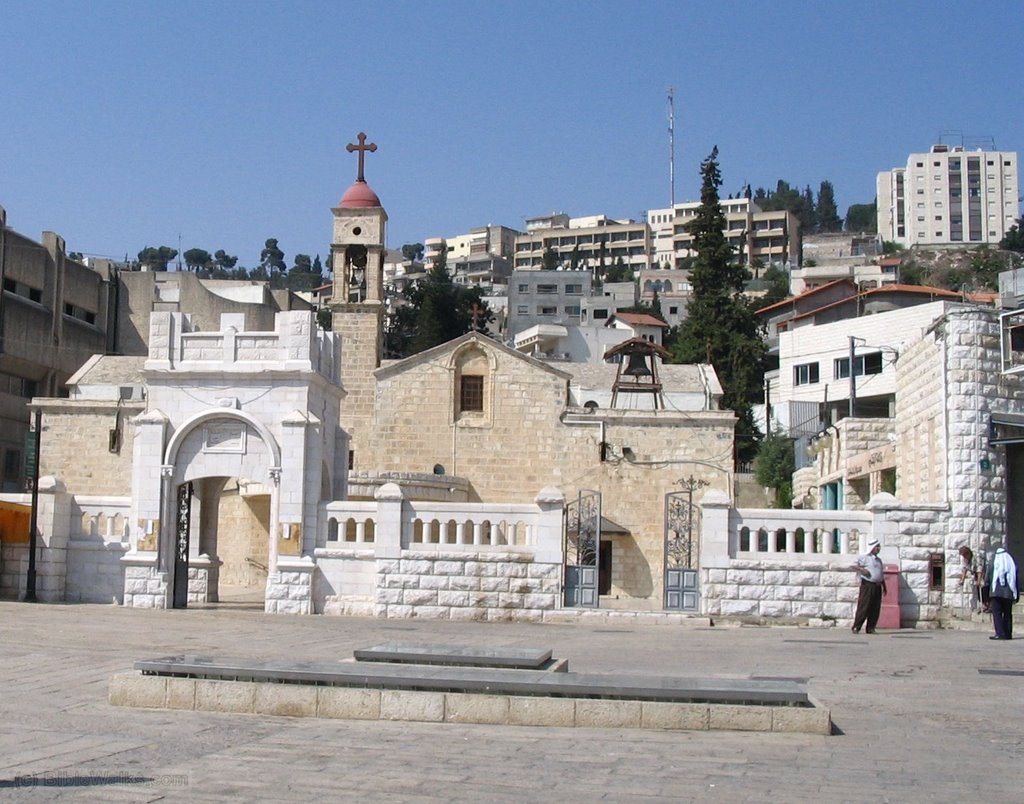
<point x="872" y="587"/>
<point x="1003" y="593"/>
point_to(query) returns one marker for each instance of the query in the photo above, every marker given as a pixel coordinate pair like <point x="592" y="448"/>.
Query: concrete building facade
<point x="585" y="242"/>
<point x="949" y="196"/>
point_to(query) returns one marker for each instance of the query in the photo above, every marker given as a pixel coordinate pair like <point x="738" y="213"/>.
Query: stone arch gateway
<point x="257" y="410"/>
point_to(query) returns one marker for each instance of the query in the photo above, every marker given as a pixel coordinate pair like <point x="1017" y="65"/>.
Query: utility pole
<point x="671" y="148"/>
<point x="853" y="374"/>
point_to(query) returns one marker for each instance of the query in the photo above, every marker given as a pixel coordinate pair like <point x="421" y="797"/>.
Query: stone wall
<point x="785" y="583"/>
<point x="144" y="586"/>
<point x="493" y="587"/>
<point x="95" y="574"/>
<point x="75" y="444"/>
<point x="525" y="439"/>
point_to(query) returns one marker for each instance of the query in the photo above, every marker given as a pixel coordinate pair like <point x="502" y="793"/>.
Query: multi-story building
<point x="949" y="196"/>
<point x="55" y="313"/>
<point x="490" y="239"/>
<point x="481" y="257"/>
<point x="546" y="297"/>
<point x="587" y="242"/>
<point x="772" y="237"/>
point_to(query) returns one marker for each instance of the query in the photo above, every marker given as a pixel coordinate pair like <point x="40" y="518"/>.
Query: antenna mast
<point x="671" y="148"/>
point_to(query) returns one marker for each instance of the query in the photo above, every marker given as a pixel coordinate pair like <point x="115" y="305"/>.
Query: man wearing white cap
<point x="872" y="587"/>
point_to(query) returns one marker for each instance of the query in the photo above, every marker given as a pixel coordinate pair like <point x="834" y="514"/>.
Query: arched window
<point x="473" y="386"/>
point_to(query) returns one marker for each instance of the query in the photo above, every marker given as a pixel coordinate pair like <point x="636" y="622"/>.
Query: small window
<point x="524" y="288"/>
<point x="806" y="374"/>
<point x="12" y="464"/>
<point x="600" y="313"/>
<point x="471" y="393"/>
<point x="547" y="311"/>
<point x="547" y="289"/>
<point x="523" y="309"/>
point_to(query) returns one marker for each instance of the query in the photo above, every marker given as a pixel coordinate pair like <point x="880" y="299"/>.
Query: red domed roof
<point x="359" y="195"/>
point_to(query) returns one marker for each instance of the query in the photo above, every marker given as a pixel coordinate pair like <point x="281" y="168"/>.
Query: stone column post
<point x="548" y="536"/>
<point x="53" y="521"/>
<point x="715" y="550"/>
<point x="388" y="538"/>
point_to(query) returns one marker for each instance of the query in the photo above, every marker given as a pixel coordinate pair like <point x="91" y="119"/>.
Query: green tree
<point x="1014" y="239"/>
<point x="985" y="267"/>
<point x="825" y="211"/>
<point x="778" y="286"/>
<point x="806" y="212"/>
<point x="156" y="259"/>
<point x="197" y="258"/>
<point x="437" y="311"/>
<point x="720" y="326"/>
<point x="656" y="307"/>
<point x="911" y="273"/>
<point x="224" y="260"/>
<point x="272" y="258"/>
<point x="302" y="276"/>
<point x="574" y="258"/>
<point x="862" y="218"/>
<point x="619" y="272"/>
<point x="774" y="467"/>
<point x="412" y="252"/>
<point x="549" y="262"/>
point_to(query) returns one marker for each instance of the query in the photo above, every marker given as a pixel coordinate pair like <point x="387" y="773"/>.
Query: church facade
<point x="299" y="466"/>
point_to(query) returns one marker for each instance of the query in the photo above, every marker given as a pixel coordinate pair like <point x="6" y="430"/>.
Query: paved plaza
<point x="919" y="715"/>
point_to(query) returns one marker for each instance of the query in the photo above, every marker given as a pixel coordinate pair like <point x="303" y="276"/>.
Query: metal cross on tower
<point x="362" y="147"/>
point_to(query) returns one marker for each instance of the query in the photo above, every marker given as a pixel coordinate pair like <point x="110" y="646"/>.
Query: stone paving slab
<point x="458" y="655"/>
<point x="916" y="720"/>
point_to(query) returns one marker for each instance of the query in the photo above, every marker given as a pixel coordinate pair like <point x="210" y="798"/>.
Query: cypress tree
<point x="720" y="327"/>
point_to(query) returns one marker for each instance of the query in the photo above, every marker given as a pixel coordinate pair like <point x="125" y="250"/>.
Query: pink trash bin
<point x="890" y="614"/>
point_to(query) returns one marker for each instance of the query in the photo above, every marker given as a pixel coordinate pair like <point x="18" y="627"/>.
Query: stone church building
<point x="297" y="468"/>
<point x="298" y="465"/>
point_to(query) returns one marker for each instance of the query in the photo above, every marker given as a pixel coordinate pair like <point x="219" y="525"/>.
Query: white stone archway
<point x="260" y="407"/>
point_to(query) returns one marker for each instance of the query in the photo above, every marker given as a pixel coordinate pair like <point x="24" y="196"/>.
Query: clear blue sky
<point x="126" y="124"/>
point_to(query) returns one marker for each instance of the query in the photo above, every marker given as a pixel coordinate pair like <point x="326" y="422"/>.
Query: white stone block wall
<point x="290" y="588"/>
<point x="95" y="573"/>
<point x="144" y="586"/>
<point x="13" y="566"/>
<point x="343" y="575"/>
<point x="798" y="587"/>
<point x="467" y="586"/>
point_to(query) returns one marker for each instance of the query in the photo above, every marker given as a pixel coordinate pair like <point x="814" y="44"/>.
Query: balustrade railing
<point x="100" y="519"/>
<point x="431" y="525"/>
<point x="796" y="533"/>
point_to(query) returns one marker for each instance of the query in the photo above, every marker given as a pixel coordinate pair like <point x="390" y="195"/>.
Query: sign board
<point x="31" y="454"/>
<point x="872" y="460"/>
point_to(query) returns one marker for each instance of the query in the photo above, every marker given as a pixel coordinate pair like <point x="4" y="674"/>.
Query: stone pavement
<point x="917" y="720"/>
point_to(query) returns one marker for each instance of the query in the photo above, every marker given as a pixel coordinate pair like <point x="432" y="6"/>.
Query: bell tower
<point x="357" y="298"/>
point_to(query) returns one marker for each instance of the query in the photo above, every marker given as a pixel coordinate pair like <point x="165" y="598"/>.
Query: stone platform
<point x="466" y="693"/>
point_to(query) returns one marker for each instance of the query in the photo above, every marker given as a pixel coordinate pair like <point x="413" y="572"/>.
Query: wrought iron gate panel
<point x="682" y="548"/>
<point x="581" y="550"/>
<point x="182" y="526"/>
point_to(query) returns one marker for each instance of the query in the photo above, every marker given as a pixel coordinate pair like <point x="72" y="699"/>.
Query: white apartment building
<point x="772" y="237"/>
<point x="479" y="241"/>
<point x="584" y="242"/>
<point x="949" y="196"/>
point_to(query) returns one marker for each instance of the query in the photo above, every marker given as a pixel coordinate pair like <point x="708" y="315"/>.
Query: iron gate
<point x="581" y="550"/>
<point x="182" y="522"/>
<point x="682" y="548"/>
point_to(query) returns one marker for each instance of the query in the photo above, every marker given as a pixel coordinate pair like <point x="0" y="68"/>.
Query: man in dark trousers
<point x="872" y="588"/>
